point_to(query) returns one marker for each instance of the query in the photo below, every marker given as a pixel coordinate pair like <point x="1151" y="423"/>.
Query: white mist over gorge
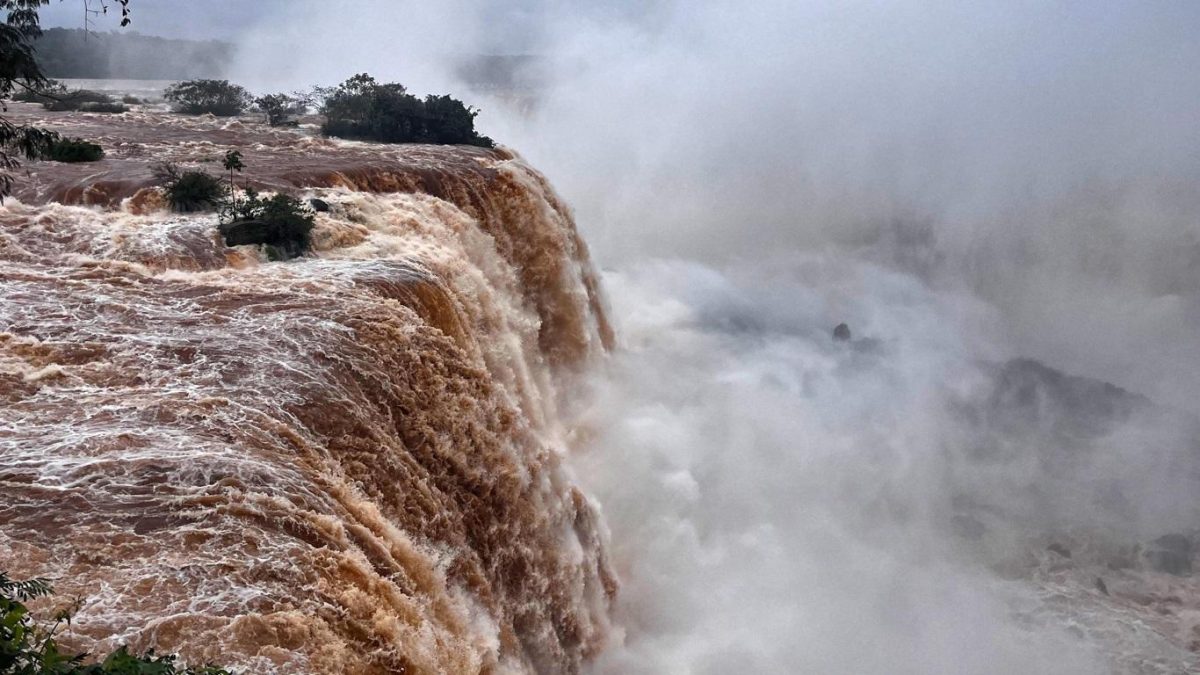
<point x="607" y="426"/>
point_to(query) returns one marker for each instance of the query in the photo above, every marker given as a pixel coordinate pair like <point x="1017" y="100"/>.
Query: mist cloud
<point x="963" y="183"/>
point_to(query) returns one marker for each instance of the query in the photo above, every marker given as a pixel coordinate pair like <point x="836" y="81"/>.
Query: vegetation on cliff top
<point x="30" y="647"/>
<point x="365" y="109"/>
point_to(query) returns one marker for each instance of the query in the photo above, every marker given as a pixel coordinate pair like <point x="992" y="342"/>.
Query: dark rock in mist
<point x="841" y="333"/>
<point x="968" y="527"/>
<point x="283" y="242"/>
<point x="1101" y="586"/>
<point x="319" y="205"/>
<point x="1170" y="553"/>
<point x="1059" y="549"/>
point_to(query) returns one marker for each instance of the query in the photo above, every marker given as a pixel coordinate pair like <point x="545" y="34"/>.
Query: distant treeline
<point x="125" y="55"/>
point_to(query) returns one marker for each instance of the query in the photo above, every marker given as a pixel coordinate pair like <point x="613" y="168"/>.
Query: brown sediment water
<point x="348" y="463"/>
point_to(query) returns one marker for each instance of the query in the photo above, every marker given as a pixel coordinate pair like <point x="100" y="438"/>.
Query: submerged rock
<point x="1059" y="549"/>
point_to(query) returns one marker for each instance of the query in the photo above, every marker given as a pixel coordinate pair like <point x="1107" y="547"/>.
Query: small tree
<point x="190" y="191"/>
<point x="233" y="162"/>
<point x="199" y="97"/>
<point x="280" y="108"/>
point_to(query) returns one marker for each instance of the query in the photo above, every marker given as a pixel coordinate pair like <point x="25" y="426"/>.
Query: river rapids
<point x="347" y="463"/>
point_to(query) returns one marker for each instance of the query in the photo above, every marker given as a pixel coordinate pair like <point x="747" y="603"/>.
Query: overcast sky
<point x="222" y="19"/>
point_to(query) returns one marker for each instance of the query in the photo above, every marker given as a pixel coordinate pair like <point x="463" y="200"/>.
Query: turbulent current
<point x="349" y="463"/>
<point x="423" y="449"/>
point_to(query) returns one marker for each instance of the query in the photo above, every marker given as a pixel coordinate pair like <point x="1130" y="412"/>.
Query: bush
<point x="190" y="191"/>
<point x="103" y="108"/>
<point x="30" y="648"/>
<point x="199" y="97"/>
<point x="280" y="108"/>
<point x="361" y="108"/>
<point x="73" y="150"/>
<point x="130" y="99"/>
<point x="281" y="223"/>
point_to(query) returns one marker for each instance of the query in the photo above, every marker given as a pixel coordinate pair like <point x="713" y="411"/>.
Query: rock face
<point x="1170" y="553"/>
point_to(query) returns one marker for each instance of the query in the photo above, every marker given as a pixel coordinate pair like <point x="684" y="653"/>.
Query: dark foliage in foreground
<point x="56" y="97"/>
<point x="362" y="108"/>
<point x="30" y="648"/>
<point x="190" y="191"/>
<point x="74" y="150"/>
<point x="281" y="223"/>
<point x="19" y="71"/>
<point x="200" y="97"/>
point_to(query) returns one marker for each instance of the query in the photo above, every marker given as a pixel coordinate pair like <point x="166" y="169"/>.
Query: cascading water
<point x="349" y="463"/>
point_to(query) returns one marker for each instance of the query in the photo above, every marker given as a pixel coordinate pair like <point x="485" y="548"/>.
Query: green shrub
<point x="103" y="108"/>
<point x="280" y="108"/>
<point x="361" y="108"/>
<point x="282" y="224"/>
<point x="73" y="150"/>
<point x="190" y="191"/>
<point x="28" y="647"/>
<point x="199" y="97"/>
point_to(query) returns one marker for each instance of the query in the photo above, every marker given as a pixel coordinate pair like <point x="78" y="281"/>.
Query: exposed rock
<point x="1059" y="549"/>
<point x="1170" y="553"/>
<point x="284" y="241"/>
<point x="841" y="333"/>
<point x="319" y="205"/>
<point x="1101" y="586"/>
<point x="968" y="527"/>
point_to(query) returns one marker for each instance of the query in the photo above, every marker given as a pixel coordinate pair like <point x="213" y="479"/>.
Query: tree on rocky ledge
<point x="19" y="69"/>
<point x="363" y="109"/>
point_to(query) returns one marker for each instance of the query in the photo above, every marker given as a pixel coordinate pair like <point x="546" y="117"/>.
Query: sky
<point x="218" y="19"/>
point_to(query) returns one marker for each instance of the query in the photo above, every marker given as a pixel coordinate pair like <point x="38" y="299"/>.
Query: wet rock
<point x="319" y="205"/>
<point x="283" y="241"/>
<point x="1101" y="586"/>
<point x="841" y="333"/>
<point x="1171" y="553"/>
<point x="1059" y="549"/>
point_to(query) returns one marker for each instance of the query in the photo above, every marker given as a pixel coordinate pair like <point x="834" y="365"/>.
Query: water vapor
<point x="999" y="200"/>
